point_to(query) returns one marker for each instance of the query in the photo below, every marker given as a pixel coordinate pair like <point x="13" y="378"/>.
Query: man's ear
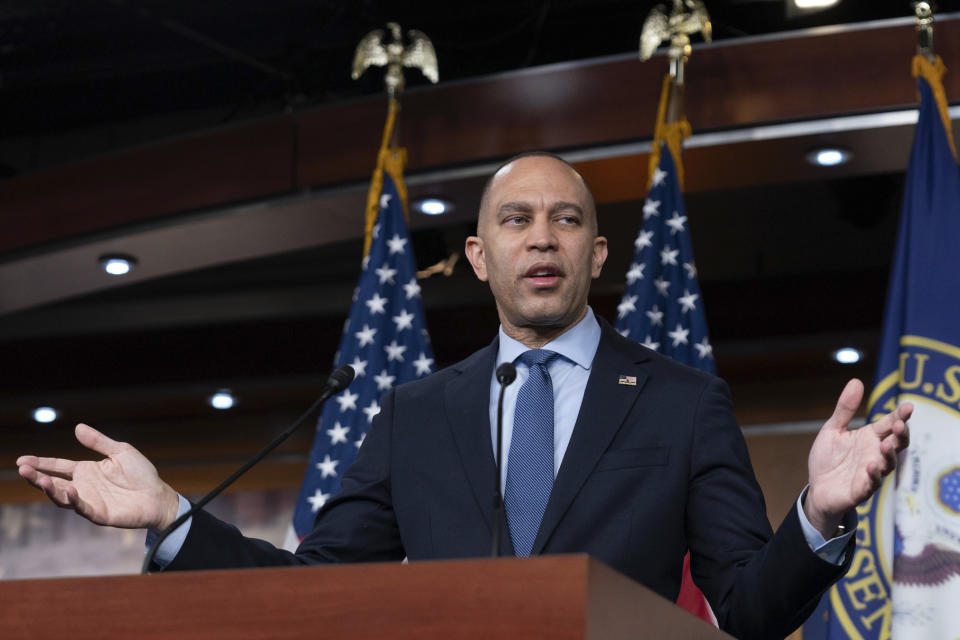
<point x="474" y="251"/>
<point x="599" y="255"/>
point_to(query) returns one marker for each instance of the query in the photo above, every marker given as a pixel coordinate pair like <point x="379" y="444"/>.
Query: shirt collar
<point x="578" y="344"/>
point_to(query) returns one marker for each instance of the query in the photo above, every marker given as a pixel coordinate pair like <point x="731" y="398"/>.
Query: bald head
<point x="523" y="164"/>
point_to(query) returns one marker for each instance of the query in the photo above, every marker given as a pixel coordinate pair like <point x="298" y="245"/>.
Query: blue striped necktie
<point x="530" y="461"/>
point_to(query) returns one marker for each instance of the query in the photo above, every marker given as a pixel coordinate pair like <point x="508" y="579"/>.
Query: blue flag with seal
<point x="384" y="339"/>
<point x="904" y="581"/>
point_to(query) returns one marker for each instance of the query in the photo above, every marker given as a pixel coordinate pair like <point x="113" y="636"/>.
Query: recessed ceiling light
<point x="829" y="156"/>
<point x="433" y="206"/>
<point x="848" y="355"/>
<point x="117" y="265"/>
<point x="222" y="399"/>
<point x="45" y="414"/>
<point x="814" y="4"/>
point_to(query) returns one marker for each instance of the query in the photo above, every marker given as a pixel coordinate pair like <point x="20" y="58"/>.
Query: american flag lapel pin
<point x="628" y="380"/>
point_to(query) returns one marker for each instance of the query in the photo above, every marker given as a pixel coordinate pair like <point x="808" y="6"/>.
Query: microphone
<point x="337" y="382"/>
<point x="506" y="374"/>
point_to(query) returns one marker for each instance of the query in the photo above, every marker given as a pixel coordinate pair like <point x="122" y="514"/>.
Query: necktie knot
<point x="541" y="357"/>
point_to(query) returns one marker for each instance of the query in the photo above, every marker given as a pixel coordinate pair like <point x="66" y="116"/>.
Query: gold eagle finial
<point x="924" y="15"/>
<point x="677" y="29"/>
<point x="394" y="55"/>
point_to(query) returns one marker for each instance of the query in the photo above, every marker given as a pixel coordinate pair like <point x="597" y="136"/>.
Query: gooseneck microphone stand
<point x="506" y="374"/>
<point x="338" y="381"/>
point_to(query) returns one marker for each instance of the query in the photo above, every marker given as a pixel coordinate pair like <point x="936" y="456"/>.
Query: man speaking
<point x="612" y="449"/>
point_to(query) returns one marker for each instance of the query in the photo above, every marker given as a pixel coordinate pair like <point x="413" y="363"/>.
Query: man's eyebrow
<point x="566" y="206"/>
<point x="514" y="207"/>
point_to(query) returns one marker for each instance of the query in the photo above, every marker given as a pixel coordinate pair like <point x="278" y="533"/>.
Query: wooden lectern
<point x="546" y="597"/>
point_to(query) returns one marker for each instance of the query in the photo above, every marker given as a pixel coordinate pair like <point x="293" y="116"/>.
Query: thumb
<point x="93" y="439"/>
<point x="847" y="406"/>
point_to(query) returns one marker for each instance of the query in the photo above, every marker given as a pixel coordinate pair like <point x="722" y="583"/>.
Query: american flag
<point x="661" y="306"/>
<point x="385" y="341"/>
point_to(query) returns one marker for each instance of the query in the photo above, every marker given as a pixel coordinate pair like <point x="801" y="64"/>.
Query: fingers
<point x="55" y="488"/>
<point x="895" y="422"/>
<point x="93" y="439"/>
<point x="847" y="406"/>
<point x="59" y="467"/>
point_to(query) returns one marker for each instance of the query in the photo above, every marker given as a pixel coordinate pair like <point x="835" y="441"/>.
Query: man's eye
<point x="515" y="220"/>
<point x="571" y="220"/>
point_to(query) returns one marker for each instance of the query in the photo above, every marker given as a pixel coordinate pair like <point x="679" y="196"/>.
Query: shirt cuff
<point x="170" y="547"/>
<point x="831" y="550"/>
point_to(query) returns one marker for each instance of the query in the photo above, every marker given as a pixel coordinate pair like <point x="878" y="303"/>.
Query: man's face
<point x="537" y="244"/>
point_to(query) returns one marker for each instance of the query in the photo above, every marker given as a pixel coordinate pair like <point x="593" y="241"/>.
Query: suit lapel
<point x="605" y="406"/>
<point x="467" y="404"/>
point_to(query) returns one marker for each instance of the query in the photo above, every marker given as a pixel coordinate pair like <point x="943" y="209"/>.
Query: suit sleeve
<point x="357" y="525"/>
<point x="760" y="584"/>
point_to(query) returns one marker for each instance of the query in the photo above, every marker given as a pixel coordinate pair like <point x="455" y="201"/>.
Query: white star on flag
<point x="655" y="315"/>
<point x="338" y="433"/>
<point x="347" y="400"/>
<point x="626" y="306"/>
<point x="676" y="223"/>
<point x="688" y="301"/>
<point x="691" y="269"/>
<point x="658" y="176"/>
<point x="366" y="335"/>
<point x="384" y="202"/>
<point x="328" y="467"/>
<point x="635" y="273"/>
<point x="650" y="344"/>
<point x="662" y="286"/>
<point x="396" y="244"/>
<point x="412" y="288"/>
<point x="371" y="411"/>
<point x="359" y="366"/>
<point x="358" y="443"/>
<point x="394" y="351"/>
<point x="376" y="304"/>
<point x="376" y="229"/>
<point x="644" y="239"/>
<point x="704" y="349"/>
<point x="386" y="274"/>
<point x="318" y="499"/>
<point x="384" y="380"/>
<point x="423" y="364"/>
<point x="679" y="335"/>
<point x="650" y="208"/>
<point x="404" y="320"/>
<point x="668" y="255"/>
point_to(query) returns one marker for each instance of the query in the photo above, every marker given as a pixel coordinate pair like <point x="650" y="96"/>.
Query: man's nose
<point x="541" y="234"/>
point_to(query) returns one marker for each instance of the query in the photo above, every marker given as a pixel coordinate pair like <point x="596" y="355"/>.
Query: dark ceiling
<point x="85" y="76"/>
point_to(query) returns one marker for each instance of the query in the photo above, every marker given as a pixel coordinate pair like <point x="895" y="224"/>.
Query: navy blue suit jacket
<point x="651" y="470"/>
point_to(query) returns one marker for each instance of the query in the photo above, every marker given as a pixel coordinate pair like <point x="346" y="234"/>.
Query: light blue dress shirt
<point x="569" y="374"/>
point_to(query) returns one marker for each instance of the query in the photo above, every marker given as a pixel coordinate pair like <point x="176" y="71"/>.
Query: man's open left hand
<point x="847" y="466"/>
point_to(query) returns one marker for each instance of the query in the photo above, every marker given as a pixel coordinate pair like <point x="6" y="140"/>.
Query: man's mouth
<point x="543" y="275"/>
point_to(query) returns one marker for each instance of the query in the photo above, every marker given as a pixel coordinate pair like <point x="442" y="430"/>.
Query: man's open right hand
<point x="121" y="490"/>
